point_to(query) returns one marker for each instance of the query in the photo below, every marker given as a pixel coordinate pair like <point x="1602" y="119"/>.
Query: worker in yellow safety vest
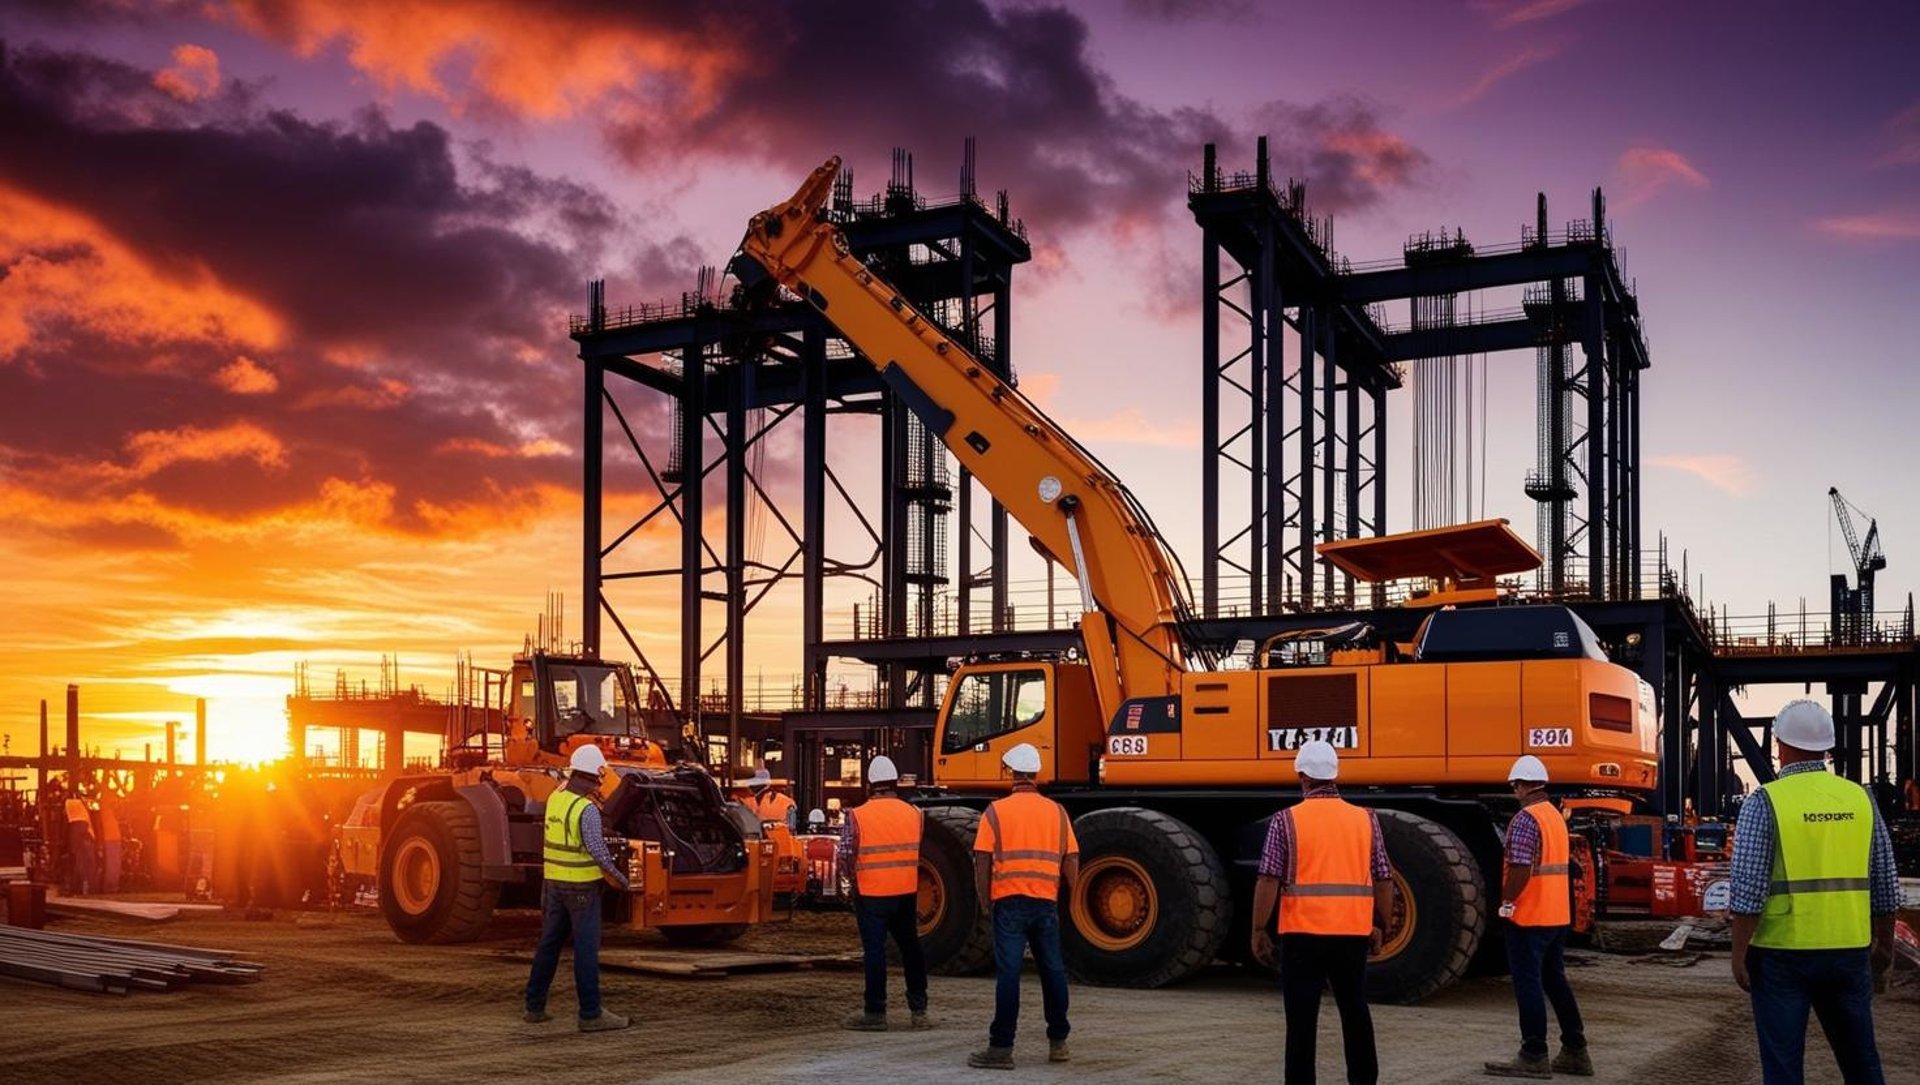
<point x="880" y="844"/>
<point x="576" y="860"/>
<point x="1024" y="856"/>
<point x="82" y="853"/>
<point x="1325" y="862"/>
<point x="768" y="804"/>
<point x="1814" y="895"/>
<point x="1536" y="900"/>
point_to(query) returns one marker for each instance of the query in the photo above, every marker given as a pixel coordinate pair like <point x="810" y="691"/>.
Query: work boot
<point x="1573" y="1061"/>
<point x="862" y="1021"/>
<point x="536" y="1017"/>
<point x="1521" y="1065"/>
<point x="920" y="1020"/>
<point x="606" y="1022"/>
<point x="993" y="1058"/>
<point x="1057" y="1051"/>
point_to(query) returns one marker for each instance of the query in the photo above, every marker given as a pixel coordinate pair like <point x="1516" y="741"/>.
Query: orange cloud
<point x="1901" y="225"/>
<point x="195" y="74"/>
<point x="533" y="60"/>
<point x="1723" y="472"/>
<point x="1648" y="171"/>
<point x="245" y="377"/>
<point x="493" y="450"/>
<point x="1513" y="65"/>
<point x="1511" y="13"/>
<point x="63" y="267"/>
<point x="157" y="449"/>
<point x="387" y="394"/>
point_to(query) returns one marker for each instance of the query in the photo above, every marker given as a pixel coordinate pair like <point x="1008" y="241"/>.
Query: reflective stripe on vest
<point x="887" y="863"/>
<point x="1332" y="887"/>
<point x="1822" y="837"/>
<point x="565" y="851"/>
<point x="1547" y="900"/>
<point x="1029" y="845"/>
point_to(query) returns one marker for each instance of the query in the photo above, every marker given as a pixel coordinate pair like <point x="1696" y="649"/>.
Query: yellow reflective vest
<point x="1822" y="837"/>
<point x="566" y="854"/>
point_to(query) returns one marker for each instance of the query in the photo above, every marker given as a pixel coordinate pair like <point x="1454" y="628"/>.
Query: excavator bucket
<point x="1462" y="554"/>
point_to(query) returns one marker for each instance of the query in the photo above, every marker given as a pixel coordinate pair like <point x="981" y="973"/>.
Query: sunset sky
<point x="284" y="372"/>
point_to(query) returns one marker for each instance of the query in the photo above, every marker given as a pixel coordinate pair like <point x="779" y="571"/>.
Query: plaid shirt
<point x="1753" y="854"/>
<point x="849" y="844"/>
<point x="1523" y="835"/>
<point x="1276" y="859"/>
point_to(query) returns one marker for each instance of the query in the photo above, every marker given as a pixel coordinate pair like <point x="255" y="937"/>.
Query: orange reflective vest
<point x="888" y="862"/>
<point x="77" y="811"/>
<point x="1029" y="837"/>
<point x="1332" y="887"/>
<point x="770" y="805"/>
<point x="1546" y="902"/>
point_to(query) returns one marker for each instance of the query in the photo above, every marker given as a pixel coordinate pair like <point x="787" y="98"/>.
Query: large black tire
<point x="431" y="888"/>
<point x="1432" y="938"/>
<point x="956" y="932"/>
<point x="704" y="935"/>
<point x="1152" y="906"/>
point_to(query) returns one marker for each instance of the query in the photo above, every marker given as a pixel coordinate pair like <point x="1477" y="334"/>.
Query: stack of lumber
<point x="86" y="962"/>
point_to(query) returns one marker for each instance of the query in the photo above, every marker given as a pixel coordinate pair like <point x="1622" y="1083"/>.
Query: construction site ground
<point x="342" y="1000"/>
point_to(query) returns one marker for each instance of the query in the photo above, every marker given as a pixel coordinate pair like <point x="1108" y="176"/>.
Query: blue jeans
<point x="1020" y="923"/>
<point x="1535" y="957"/>
<point x="1836" y="984"/>
<point x="882" y="916"/>
<point x="568" y="913"/>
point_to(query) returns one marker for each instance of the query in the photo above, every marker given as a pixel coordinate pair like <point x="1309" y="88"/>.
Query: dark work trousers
<point x="1536" y="958"/>
<point x="880" y="917"/>
<point x="81" y="859"/>
<point x="1837" y="985"/>
<point x="568" y="913"/>
<point x="1310" y="963"/>
<point x="1020" y="923"/>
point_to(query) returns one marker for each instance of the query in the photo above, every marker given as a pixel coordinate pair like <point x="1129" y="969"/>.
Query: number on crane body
<point x="1550" y="738"/>
<point x="1280" y="739"/>
<point x="1127" y="745"/>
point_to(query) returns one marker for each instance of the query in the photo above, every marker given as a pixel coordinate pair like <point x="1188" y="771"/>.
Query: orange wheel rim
<point x="1115" y="906"/>
<point x="1400" y="921"/>
<point x="930" y="900"/>
<point x="416" y="876"/>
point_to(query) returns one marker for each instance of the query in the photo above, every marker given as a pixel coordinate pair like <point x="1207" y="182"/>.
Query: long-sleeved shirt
<point x="849" y="844"/>
<point x="595" y="840"/>
<point x="1753" y="845"/>
<point x="1523" y="835"/>
<point x="1276" y="858"/>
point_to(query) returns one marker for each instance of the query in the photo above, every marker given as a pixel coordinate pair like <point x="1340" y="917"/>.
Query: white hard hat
<point x="761" y="778"/>
<point x="816" y="817"/>
<point x="1022" y="758"/>
<point x="1804" y="725"/>
<point x="587" y="759"/>
<point x="1527" y="768"/>
<point x="881" y="771"/>
<point x="1317" y="759"/>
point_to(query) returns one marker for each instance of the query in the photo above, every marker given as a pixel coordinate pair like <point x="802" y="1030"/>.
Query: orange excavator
<point x="1171" y="758"/>
<point x="446" y="848"/>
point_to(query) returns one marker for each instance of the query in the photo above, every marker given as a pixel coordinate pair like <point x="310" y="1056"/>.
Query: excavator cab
<point x="993" y="707"/>
<point x="563" y="702"/>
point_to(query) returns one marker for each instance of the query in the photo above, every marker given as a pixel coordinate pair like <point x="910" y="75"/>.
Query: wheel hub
<point x="1401" y="920"/>
<point x="930" y="901"/>
<point x="416" y="876"/>
<point x="1115" y="904"/>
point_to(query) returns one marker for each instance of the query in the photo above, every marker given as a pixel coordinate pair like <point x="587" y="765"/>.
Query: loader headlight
<point x="1050" y="489"/>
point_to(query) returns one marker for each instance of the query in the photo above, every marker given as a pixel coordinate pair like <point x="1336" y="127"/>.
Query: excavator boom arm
<point x="1046" y="480"/>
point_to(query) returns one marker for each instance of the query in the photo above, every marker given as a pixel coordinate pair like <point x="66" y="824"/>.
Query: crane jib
<point x="936" y="418"/>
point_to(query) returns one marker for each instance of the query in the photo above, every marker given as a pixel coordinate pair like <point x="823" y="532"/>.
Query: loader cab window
<point x="991" y="703"/>
<point x="589" y="699"/>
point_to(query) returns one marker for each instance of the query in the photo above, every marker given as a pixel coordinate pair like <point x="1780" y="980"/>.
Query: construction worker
<point x="81" y="853"/>
<point x="768" y="804"/>
<point x="880" y="843"/>
<point x="576" y="860"/>
<point x="1537" y="902"/>
<point x="817" y="819"/>
<point x="1814" y="896"/>
<point x="110" y="851"/>
<point x="1325" y="863"/>
<point x="1023" y="856"/>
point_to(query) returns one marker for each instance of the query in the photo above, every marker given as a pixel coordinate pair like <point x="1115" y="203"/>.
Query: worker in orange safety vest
<point x="768" y="804"/>
<point x="1325" y="863"/>
<point x="1537" y="903"/>
<point x="880" y="844"/>
<point x="82" y="852"/>
<point x="1024" y="855"/>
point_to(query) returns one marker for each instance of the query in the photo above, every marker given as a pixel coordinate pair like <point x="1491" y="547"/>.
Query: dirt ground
<point x="343" y="1001"/>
